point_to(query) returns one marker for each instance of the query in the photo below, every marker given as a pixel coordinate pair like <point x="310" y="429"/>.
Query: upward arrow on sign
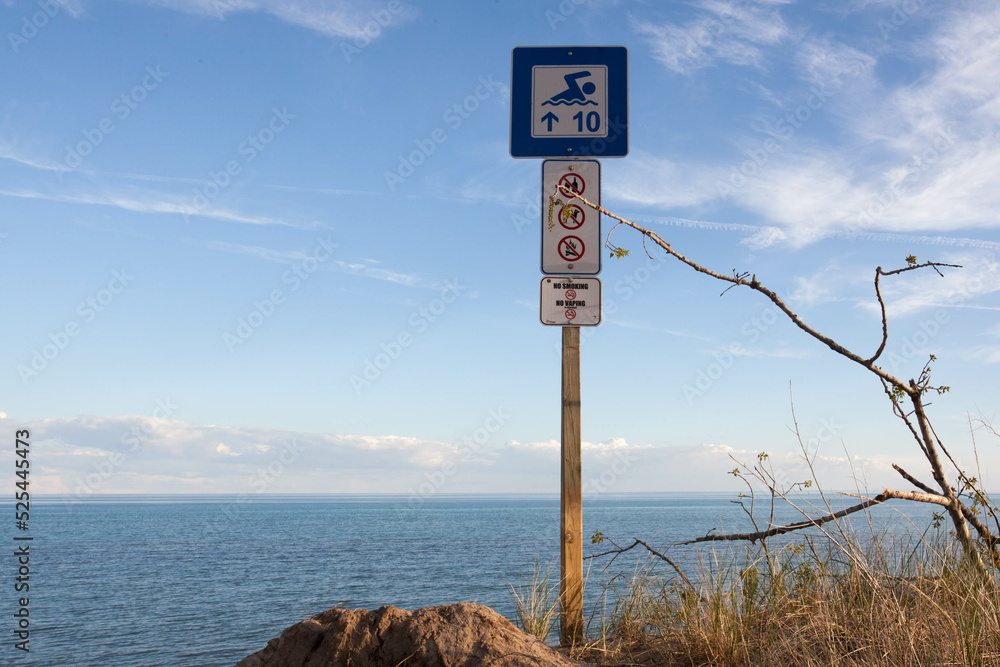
<point x="588" y="84"/>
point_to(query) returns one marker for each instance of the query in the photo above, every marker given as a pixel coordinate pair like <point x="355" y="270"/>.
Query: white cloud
<point x="360" y="268"/>
<point x="931" y="148"/>
<point x="268" y="254"/>
<point x="649" y="180"/>
<point x="151" y="204"/>
<point x="957" y="288"/>
<point x="905" y="294"/>
<point x="132" y="454"/>
<point x="916" y="157"/>
<point x="983" y="354"/>
<point x="8" y="152"/>
<point x="337" y="18"/>
<point x="225" y="450"/>
<point x="827" y="64"/>
<point x="727" y="32"/>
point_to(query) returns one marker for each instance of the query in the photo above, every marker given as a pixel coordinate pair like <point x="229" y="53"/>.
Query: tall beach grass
<point x="827" y="598"/>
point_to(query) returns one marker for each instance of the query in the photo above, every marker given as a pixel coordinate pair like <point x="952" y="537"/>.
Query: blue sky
<point x="220" y="256"/>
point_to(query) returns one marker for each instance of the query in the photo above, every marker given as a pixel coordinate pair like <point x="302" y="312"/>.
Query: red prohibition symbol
<point x="571" y="248"/>
<point x="573" y="183"/>
<point x="572" y="217"/>
<point x="570" y="294"/>
<point x="570" y="314"/>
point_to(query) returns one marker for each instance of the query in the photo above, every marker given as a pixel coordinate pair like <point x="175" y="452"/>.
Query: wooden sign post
<point x="545" y="82"/>
<point x="571" y="501"/>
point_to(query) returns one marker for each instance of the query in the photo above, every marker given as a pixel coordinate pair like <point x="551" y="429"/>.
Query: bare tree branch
<point x="895" y="388"/>
<point x="970" y="515"/>
<point x="619" y="551"/>
<point x="897" y="409"/>
<point x="912" y="480"/>
<point x="881" y="303"/>
<point x="753" y="284"/>
<point x="781" y="530"/>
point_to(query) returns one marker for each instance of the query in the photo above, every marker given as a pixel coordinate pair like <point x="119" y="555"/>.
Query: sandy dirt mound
<point x="454" y="635"/>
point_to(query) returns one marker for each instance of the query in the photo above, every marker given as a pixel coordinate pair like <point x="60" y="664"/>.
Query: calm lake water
<point x="204" y="581"/>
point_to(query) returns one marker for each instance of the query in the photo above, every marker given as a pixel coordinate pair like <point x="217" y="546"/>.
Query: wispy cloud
<point x="640" y="326"/>
<point x="727" y="32"/>
<point x="647" y="180"/>
<point x="268" y="254"/>
<point x="957" y="288"/>
<point x="983" y="354"/>
<point x="363" y="268"/>
<point x="905" y="294"/>
<point x="762" y="236"/>
<point x="828" y="64"/>
<point x="153" y="204"/>
<point x="9" y="153"/>
<point x="337" y="18"/>
<point x="915" y="157"/>
<point x="378" y="273"/>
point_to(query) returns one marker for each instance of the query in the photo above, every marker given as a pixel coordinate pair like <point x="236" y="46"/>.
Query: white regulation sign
<point x="570" y="301"/>
<point x="571" y="230"/>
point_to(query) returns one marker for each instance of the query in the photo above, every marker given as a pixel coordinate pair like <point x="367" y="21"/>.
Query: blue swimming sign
<point x="569" y="101"/>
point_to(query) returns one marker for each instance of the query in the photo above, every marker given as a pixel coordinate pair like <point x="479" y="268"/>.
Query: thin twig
<point x="619" y="551"/>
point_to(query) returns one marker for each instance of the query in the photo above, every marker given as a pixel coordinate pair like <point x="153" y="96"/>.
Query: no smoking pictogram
<point x="571" y="248"/>
<point x="570" y="302"/>
<point x="572" y="217"/>
<point x="573" y="183"/>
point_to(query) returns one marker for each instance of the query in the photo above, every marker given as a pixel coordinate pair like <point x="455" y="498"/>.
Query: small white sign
<point x="571" y="238"/>
<point x="569" y="101"/>
<point x="570" y="301"/>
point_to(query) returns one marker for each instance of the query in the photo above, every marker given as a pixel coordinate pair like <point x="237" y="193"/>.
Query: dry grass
<point x="536" y="602"/>
<point x="890" y="602"/>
